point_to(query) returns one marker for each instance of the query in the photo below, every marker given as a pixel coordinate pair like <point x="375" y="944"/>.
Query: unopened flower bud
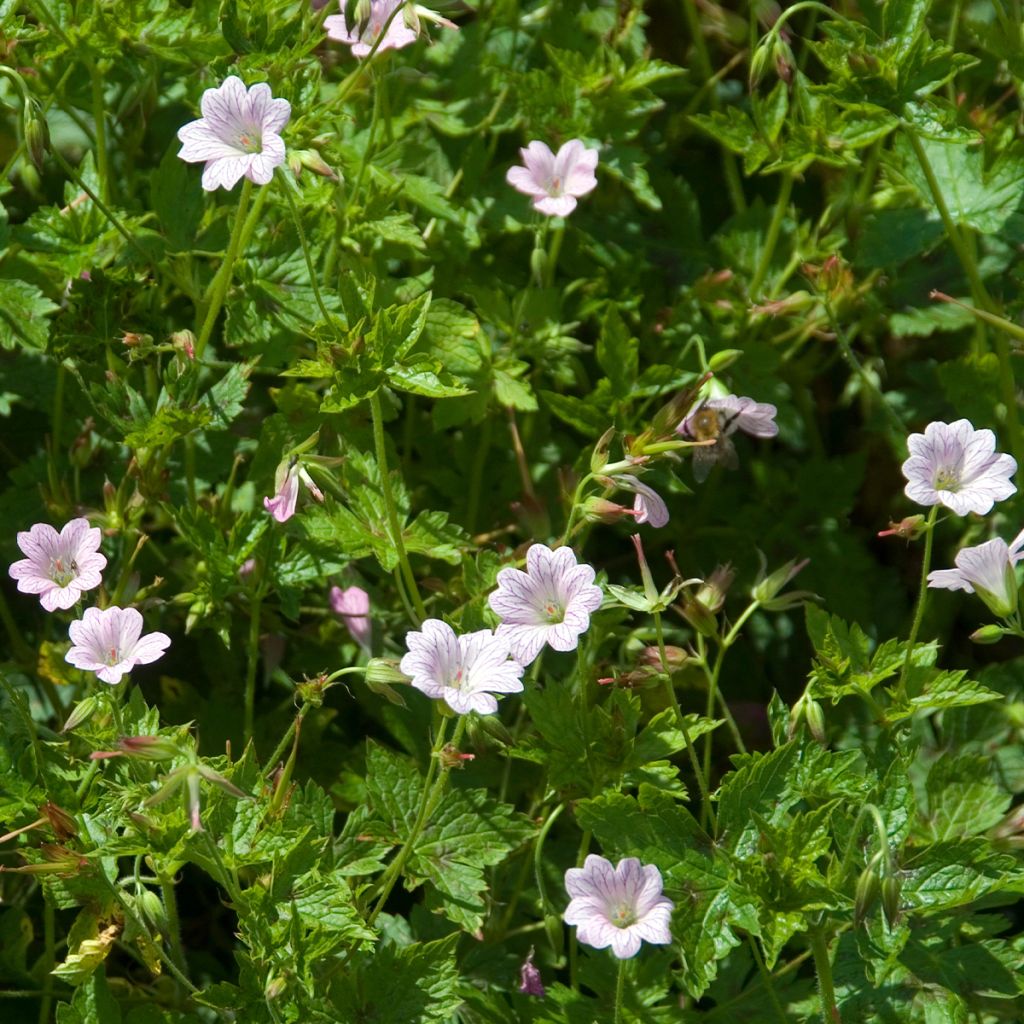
<point x="600" y="510"/>
<point x="451" y="757"/>
<point x="149" y="748"/>
<point x="766" y="590"/>
<point x="484" y="729"/>
<point x="723" y="359"/>
<point x="538" y="263"/>
<point x="385" y="670"/>
<point x="869" y="887"/>
<point x="990" y="634"/>
<point x="82" y="712"/>
<point x="37" y="133"/>
<point x="909" y="529"/>
<point x="184" y="342"/>
<point x="891" y="900"/>
<point x="815" y="719"/>
<point x="152" y="910"/>
<point x="676" y="658"/>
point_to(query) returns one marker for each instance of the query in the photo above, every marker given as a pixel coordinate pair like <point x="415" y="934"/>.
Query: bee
<point x="708" y="424"/>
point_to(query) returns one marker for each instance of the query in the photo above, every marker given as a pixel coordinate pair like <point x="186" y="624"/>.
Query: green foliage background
<point x="781" y="193"/>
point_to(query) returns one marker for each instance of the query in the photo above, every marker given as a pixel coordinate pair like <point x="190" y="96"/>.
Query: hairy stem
<point x="392" y="509"/>
<point x="922" y="597"/>
<point x="823" y="968"/>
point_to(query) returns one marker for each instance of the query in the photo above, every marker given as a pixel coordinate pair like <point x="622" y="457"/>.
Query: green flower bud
<point x="37" y="133"/>
<point x="990" y="634"/>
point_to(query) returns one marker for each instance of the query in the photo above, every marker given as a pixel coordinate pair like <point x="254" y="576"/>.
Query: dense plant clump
<point x="435" y="444"/>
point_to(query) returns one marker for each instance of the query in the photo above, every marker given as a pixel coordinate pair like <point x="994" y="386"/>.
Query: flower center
<point x="458" y="679"/>
<point x="62" y="571"/>
<point x="947" y="479"/>
<point x="555" y="188"/>
<point x="554" y="611"/>
<point x="250" y="141"/>
<point x="113" y="657"/>
<point x="622" y="915"/>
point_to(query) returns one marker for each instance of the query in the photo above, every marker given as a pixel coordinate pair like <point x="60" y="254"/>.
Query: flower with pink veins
<point x="550" y="603"/>
<point x="109" y="642"/>
<point x="986" y="570"/>
<point x="352" y="606"/>
<point x="238" y="134"/>
<point x="648" y="505"/>
<point x="619" y="906"/>
<point x="555" y="180"/>
<point x="957" y="466"/>
<point x="399" y="27"/>
<point x="60" y="567"/>
<point x="465" y="670"/>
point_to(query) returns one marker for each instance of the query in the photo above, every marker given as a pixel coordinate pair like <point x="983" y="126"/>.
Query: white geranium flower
<point x="957" y="466"/>
<point x="463" y="671"/>
<point x="550" y="603"/>
<point x="986" y="570"/>
<point x="238" y="134"/>
<point x="619" y="906"/>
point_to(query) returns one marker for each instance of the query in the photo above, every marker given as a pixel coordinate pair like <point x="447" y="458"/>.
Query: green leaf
<point x="177" y="200"/>
<point x="92" y="1003"/>
<point x="587" y="419"/>
<point x="982" y="198"/>
<point x="955" y="873"/>
<point x="618" y="353"/>
<point x="427" y="379"/>
<point x="23" y="312"/>
<point x="415" y="984"/>
<point x="962" y="798"/>
<point x="760" y="783"/>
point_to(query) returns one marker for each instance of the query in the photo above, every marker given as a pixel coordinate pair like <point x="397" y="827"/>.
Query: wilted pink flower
<point x="555" y="180"/>
<point x="462" y="670"/>
<point x="957" y="466"/>
<point x="550" y="603"/>
<point x="60" y="567"/>
<point x="648" y="504"/>
<point x="282" y="505"/>
<point x="352" y="605"/>
<point x="717" y="418"/>
<point x="238" y="134"/>
<point x="110" y="643"/>
<point x="618" y="906"/>
<point x="986" y="570"/>
<point x="400" y="30"/>
<point x="530" y="981"/>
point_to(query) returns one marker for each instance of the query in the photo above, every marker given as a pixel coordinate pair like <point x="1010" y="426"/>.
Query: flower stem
<point x="49" y="959"/>
<point x="620" y="987"/>
<point x="981" y="296"/>
<point x="772" y="238"/>
<point x="429" y="800"/>
<point x="823" y="967"/>
<point x="766" y="979"/>
<point x="392" y="510"/>
<point x="305" y="252"/>
<point x="100" y="126"/>
<point x="706" y="809"/>
<point x="252" y="660"/>
<point x="922" y="598"/>
<point x="173" y="922"/>
<point x="223" y="279"/>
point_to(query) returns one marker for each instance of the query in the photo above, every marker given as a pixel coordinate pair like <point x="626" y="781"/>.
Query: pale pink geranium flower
<point x="282" y="505"/>
<point x="398" y="31"/>
<point x="60" y="567"/>
<point x="352" y="606"/>
<point x="555" y="180"/>
<point x="715" y="419"/>
<point x="109" y="642"/>
<point x="648" y="505"/>
<point x="465" y="670"/>
<point x="238" y="134"/>
<point x="957" y="466"/>
<point x="619" y="906"/>
<point x="986" y="570"/>
<point x="550" y="603"/>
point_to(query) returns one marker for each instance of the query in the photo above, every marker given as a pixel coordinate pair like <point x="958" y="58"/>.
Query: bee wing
<point x="726" y="453"/>
<point x="703" y="459"/>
